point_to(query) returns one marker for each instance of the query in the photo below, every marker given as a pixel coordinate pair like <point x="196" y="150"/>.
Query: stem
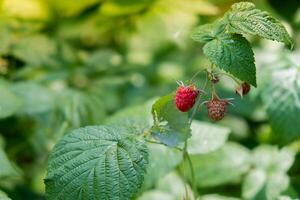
<point x="195" y="75"/>
<point x="155" y="142"/>
<point x="185" y="152"/>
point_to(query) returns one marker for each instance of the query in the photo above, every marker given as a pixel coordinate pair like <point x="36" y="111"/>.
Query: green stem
<point x="155" y="142"/>
<point x="186" y="155"/>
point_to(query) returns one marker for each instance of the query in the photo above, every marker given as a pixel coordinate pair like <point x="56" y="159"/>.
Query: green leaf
<point x="3" y="196"/>
<point x="6" y="38"/>
<point x="272" y="159"/>
<point x="156" y="194"/>
<point x="217" y="197"/>
<point x="119" y="7"/>
<point x="260" y="185"/>
<point x="9" y="102"/>
<point x="206" y="137"/>
<point x="171" y="186"/>
<point x="8" y="170"/>
<point x="232" y="53"/>
<point x="244" y="18"/>
<point x="137" y="118"/>
<point x="80" y="108"/>
<point x="223" y="166"/>
<point x="35" y="98"/>
<point x="281" y="99"/>
<point x="170" y="125"/>
<point x="207" y="32"/>
<point x="72" y="8"/>
<point x="268" y="178"/>
<point x="96" y="162"/>
<point x="42" y="51"/>
<point x="158" y="169"/>
<point x="104" y="59"/>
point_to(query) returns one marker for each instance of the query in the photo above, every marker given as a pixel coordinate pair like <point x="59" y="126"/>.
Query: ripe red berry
<point x="216" y="108"/>
<point x="185" y="97"/>
<point x="243" y="89"/>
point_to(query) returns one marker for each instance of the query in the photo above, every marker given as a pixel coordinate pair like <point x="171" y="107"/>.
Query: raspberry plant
<point x="110" y="161"/>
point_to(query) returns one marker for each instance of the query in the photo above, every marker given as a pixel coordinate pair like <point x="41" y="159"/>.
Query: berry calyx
<point x="243" y="89"/>
<point x="185" y="97"/>
<point x="216" y="108"/>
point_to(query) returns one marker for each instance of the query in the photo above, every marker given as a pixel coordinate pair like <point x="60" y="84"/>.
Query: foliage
<point x="86" y="109"/>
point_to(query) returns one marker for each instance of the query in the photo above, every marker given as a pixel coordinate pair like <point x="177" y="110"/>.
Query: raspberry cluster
<point x="186" y="96"/>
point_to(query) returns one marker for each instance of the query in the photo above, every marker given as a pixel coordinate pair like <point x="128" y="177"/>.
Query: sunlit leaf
<point x="222" y="166"/>
<point x="232" y="53"/>
<point x="281" y="98"/>
<point x="96" y="162"/>
<point x="206" y="137"/>
<point x="244" y="18"/>
<point x="170" y="125"/>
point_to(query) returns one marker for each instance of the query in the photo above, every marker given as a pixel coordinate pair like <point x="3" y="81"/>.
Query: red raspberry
<point x="243" y="89"/>
<point x="185" y="97"/>
<point x="216" y="108"/>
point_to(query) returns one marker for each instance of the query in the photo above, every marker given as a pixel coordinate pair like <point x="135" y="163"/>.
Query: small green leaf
<point x="42" y="51"/>
<point x="225" y="165"/>
<point x="170" y="125"/>
<point x="270" y="158"/>
<point x="9" y="102"/>
<point x="8" y="170"/>
<point x="206" y="137"/>
<point x="244" y="18"/>
<point x="207" y="32"/>
<point x="268" y="177"/>
<point x="3" y="196"/>
<point x="96" y="162"/>
<point x="33" y="103"/>
<point x="281" y="99"/>
<point x="232" y="53"/>
<point x="260" y="185"/>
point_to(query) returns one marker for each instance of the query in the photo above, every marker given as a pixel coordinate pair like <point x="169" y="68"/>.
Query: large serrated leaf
<point x="244" y="18"/>
<point x="232" y="53"/>
<point x="281" y="98"/>
<point x="170" y="125"/>
<point x="96" y="162"/>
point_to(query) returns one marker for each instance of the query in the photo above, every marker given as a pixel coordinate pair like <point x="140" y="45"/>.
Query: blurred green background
<point x="70" y="63"/>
